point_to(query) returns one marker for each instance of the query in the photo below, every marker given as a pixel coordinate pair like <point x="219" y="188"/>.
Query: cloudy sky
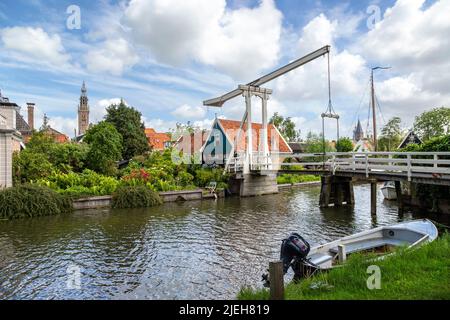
<point x="164" y="57"/>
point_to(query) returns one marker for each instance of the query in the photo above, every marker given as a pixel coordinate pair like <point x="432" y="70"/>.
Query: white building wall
<point x="10" y="114"/>
<point x="5" y="160"/>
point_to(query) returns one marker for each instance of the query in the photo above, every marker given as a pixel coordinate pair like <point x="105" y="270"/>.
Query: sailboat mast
<point x="374" y="115"/>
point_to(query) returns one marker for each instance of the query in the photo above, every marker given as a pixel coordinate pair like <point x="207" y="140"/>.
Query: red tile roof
<point x="274" y="139"/>
<point x="156" y="139"/>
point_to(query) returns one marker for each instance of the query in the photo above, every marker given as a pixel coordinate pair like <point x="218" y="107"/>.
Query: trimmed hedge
<point x="27" y="201"/>
<point x="135" y="197"/>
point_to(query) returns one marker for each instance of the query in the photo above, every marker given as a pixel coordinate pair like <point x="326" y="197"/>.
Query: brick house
<point x="158" y="141"/>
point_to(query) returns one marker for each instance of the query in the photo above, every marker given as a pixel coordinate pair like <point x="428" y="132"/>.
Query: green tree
<point x="69" y="156"/>
<point x="434" y="123"/>
<point x="344" y="145"/>
<point x="315" y="144"/>
<point x="286" y="127"/>
<point x="40" y="142"/>
<point x="105" y="147"/>
<point x="29" y="165"/>
<point x="391" y="135"/>
<point x="128" y="123"/>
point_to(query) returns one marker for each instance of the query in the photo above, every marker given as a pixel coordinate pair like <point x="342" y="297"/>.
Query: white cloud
<point x="113" y="56"/>
<point x="98" y="110"/>
<point x="204" y="124"/>
<point x="310" y="81"/>
<point x="34" y="44"/>
<point x="160" y="125"/>
<point x="413" y="39"/>
<point x="188" y="112"/>
<point x="64" y="125"/>
<point x="205" y="31"/>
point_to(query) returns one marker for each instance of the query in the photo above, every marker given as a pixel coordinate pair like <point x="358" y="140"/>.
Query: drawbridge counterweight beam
<point x="219" y="101"/>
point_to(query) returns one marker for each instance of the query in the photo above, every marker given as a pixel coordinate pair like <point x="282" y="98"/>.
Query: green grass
<point x="296" y="178"/>
<point x="418" y="274"/>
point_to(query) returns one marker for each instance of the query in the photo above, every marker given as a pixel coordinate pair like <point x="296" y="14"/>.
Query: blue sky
<point x="166" y="57"/>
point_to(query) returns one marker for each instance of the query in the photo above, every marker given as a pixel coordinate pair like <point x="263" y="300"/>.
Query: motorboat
<point x="296" y="252"/>
<point x="388" y="190"/>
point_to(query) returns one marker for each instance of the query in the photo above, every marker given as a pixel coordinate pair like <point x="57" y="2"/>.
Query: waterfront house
<point x="222" y="140"/>
<point x="192" y="143"/>
<point x="57" y="136"/>
<point x="10" y="139"/>
<point x="158" y="141"/>
<point x="410" y="138"/>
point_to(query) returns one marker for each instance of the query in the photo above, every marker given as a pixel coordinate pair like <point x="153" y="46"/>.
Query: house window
<point x="216" y="138"/>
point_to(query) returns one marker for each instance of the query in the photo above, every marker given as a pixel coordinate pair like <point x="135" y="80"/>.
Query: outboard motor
<point x="294" y="248"/>
<point x="294" y="251"/>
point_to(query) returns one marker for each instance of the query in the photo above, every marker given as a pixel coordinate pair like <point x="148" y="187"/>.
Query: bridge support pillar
<point x="248" y="185"/>
<point x="373" y="197"/>
<point x="336" y="190"/>
<point x="398" y="190"/>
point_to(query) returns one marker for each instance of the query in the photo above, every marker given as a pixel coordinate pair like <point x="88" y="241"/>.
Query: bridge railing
<point x="408" y="164"/>
<point x="404" y="163"/>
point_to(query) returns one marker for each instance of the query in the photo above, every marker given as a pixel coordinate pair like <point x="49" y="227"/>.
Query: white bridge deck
<point x="423" y="167"/>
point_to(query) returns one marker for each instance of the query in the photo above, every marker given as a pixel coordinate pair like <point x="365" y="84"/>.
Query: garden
<point x="59" y="172"/>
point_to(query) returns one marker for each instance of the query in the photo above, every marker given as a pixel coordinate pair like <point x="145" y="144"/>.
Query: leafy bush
<point x="26" y="201"/>
<point x="204" y="176"/>
<point x="135" y="197"/>
<point x="30" y="166"/>
<point x="87" y="183"/>
<point x="68" y="157"/>
<point x="344" y="145"/>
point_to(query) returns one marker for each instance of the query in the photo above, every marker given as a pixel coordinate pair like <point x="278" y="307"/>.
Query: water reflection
<point x="199" y="250"/>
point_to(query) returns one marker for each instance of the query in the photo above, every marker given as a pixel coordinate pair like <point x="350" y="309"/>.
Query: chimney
<point x="30" y="115"/>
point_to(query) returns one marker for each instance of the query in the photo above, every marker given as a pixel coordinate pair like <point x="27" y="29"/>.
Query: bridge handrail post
<point x="367" y="164"/>
<point x="408" y="158"/>
<point x="354" y="161"/>
<point x="333" y="164"/>
<point x="436" y="158"/>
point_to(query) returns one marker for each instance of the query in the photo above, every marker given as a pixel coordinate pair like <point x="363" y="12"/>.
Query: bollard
<point x="276" y="276"/>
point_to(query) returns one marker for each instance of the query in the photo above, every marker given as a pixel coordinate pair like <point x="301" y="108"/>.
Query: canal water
<point x="191" y="250"/>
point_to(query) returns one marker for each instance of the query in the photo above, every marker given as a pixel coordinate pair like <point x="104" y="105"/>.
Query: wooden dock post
<point x="276" y="277"/>
<point x="342" y="254"/>
<point x="373" y="197"/>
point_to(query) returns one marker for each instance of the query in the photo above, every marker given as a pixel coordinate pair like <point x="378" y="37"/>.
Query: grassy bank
<point x="296" y="178"/>
<point x="423" y="273"/>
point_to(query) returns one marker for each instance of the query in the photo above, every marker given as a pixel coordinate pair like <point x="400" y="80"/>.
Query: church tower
<point x="83" y="111"/>
<point x="358" y="133"/>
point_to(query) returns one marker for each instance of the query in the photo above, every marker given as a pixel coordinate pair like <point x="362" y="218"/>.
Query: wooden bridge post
<point x="276" y="278"/>
<point x="373" y="197"/>
<point x="325" y="191"/>
<point x="398" y="190"/>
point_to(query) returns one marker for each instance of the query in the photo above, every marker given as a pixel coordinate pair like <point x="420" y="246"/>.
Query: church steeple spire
<point x="83" y="89"/>
<point x="83" y="111"/>
<point x="358" y="133"/>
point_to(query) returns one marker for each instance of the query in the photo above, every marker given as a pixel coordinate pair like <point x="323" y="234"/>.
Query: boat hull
<point x="379" y="240"/>
<point x="388" y="191"/>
